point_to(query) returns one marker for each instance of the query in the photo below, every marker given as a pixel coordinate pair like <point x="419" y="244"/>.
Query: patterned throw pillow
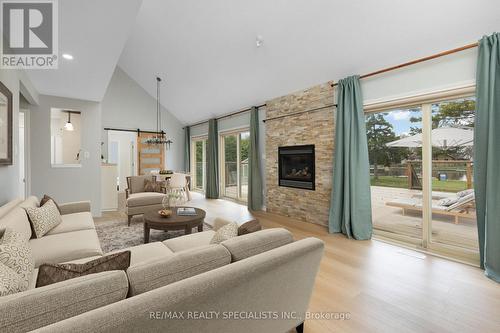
<point x="10" y="282"/>
<point x="16" y="254"/>
<point x="45" y="199"/>
<point x="152" y="186"/>
<point x="44" y="218"/>
<point x="448" y="201"/>
<point x="228" y="231"/>
<point x="53" y="273"/>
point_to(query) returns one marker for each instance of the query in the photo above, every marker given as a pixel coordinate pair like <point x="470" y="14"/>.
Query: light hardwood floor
<point x="383" y="287"/>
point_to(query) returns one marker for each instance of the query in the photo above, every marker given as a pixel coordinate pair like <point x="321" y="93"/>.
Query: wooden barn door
<point x="151" y="157"/>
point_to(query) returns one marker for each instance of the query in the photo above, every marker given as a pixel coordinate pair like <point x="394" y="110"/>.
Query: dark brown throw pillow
<point x="53" y="273"/>
<point x="152" y="186"/>
<point x="249" y="227"/>
<point x="47" y="198"/>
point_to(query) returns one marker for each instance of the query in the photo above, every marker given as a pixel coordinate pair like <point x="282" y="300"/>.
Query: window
<point x="421" y="163"/>
<point x="234" y="164"/>
<point x="65" y="137"/>
<point x="198" y="163"/>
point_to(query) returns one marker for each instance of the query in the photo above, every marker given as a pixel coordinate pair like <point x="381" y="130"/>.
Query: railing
<point x="448" y="175"/>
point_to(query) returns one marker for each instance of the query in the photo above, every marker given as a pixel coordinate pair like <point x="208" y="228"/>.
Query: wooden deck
<point x="444" y="229"/>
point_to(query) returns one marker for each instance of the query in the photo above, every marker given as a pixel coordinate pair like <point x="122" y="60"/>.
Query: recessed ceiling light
<point x="259" y="41"/>
<point x="67" y="56"/>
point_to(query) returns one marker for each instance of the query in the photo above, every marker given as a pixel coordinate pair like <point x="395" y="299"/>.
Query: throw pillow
<point x="53" y="273"/>
<point x="228" y="231"/>
<point x="46" y="198"/>
<point x="10" y="282"/>
<point x="152" y="186"/>
<point x="448" y="201"/>
<point x="249" y="227"/>
<point x="44" y="218"/>
<point x="16" y="254"/>
<point x="464" y="193"/>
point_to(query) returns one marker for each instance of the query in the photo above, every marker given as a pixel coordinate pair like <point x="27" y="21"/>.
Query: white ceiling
<point x="206" y="52"/>
<point x="94" y="32"/>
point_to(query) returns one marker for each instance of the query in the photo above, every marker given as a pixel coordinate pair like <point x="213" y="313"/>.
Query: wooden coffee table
<point x="153" y="220"/>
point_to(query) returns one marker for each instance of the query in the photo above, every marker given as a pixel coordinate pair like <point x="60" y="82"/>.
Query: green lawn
<point x="437" y="185"/>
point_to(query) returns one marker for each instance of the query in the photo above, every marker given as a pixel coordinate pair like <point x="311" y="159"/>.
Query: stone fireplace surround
<point x="310" y="128"/>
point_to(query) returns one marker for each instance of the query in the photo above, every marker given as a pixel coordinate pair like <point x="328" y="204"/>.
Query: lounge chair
<point x="463" y="207"/>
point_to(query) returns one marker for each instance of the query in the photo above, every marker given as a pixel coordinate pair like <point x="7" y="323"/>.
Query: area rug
<point x="116" y="235"/>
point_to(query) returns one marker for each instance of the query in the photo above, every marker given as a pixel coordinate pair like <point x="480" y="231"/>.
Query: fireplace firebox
<point x="296" y="167"/>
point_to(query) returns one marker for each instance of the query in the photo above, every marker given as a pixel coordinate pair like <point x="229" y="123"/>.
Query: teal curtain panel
<point x="487" y="154"/>
<point x="212" y="185"/>
<point x="254" y="172"/>
<point x="350" y="207"/>
<point x="187" y="150"/>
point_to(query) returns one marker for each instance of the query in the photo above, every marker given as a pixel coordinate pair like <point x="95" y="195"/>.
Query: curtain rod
<point x="413" y="62"/>
<point x="226" y="115"/>
<point x="388" y="69"/>
<point x="132" y="130"/>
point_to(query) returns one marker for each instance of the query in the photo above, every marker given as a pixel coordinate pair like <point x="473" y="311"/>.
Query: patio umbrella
<point x="443" y="137"/>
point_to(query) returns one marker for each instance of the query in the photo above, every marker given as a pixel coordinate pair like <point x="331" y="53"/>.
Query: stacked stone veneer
<point x="315" y="128"/>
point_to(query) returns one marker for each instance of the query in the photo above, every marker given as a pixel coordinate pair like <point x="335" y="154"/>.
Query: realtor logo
<point x="29" y="34"/>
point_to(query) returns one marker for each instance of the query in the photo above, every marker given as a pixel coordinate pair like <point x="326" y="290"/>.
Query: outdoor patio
<point x="444" y="230"/>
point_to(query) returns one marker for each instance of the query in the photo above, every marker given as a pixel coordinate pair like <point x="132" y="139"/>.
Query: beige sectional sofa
<point x="249" y="275"/>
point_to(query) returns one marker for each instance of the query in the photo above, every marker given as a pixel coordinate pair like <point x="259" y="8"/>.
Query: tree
<point x="379" y="133"/>
<point x="458" y="113"/>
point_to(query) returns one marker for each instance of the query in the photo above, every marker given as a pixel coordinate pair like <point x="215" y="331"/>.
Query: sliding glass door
<point x="198" y="163"/>
<point x="421" y="163"/>
<point x="234" y="164"/>
<point x="396" y="172"/>
<point x="453" y="214"/>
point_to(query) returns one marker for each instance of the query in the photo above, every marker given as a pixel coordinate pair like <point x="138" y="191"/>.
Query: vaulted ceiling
<point x="206" y="50"/>
<point x="94" y="32"/>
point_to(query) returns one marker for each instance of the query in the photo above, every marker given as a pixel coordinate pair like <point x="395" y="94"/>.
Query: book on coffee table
<point x="186" y="211"/>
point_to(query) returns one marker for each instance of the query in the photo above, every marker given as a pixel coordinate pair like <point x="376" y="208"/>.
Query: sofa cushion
<point x="43" y="306"/>
<point x="73" y="222"/>
<point x="145" y="199"/>
<point x="17" y="219"/>
<point x="44" y="218"/>
<point x="16" y="254"/>
<point x="160" y="272"/>
<point x="146" y="252"/>
<point x="74" y="207"/>
<point x="9" y="206"/>
<point x="53" y="249"/>
<point x="248" y="245"/>
<point x="53" y="273"/>
<point x="30" y="202"/>
<point x="189" y="242"/>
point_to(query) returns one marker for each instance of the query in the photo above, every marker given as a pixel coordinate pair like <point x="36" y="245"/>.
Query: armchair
<point x="137" y="200"/>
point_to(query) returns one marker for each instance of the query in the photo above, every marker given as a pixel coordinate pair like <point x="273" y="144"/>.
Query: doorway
<point x="234" y="147"/>
<point x="23" y="134"/>
<point x="122" y="152"/>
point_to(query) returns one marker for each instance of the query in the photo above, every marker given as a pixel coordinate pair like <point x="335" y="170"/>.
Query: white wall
<point x="452" y="71"/>
<point x="67" y="184"/>
<point x="127" y="105"/>
<point x="17" y="82"/>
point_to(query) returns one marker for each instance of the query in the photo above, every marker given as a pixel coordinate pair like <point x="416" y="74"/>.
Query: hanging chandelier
<point x="159" y="137"/>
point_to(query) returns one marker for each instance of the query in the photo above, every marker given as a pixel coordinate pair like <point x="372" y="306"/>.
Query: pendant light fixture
<point x="159" y="138"/>
<point x="69" y="126"/>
